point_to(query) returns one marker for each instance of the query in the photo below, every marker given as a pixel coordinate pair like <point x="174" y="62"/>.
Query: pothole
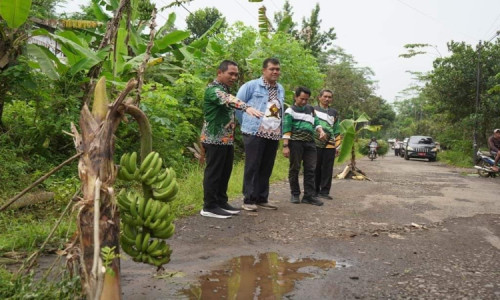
<point x="269" y="276"/>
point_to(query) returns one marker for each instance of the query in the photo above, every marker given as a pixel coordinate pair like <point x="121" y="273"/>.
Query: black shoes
<point x="295" y="199"/>
<point x="312" y="200"/>
<point x="325" y="196"/>
<point x="216" y="212"/>
<point x="230" y="209"/>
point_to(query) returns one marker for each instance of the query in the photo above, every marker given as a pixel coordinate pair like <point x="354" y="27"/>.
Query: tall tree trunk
<point x="97" y="173"/>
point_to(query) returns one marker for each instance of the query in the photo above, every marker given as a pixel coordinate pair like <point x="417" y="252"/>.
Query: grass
<point x="455" y="158"/>
<point x="190" y="198"/>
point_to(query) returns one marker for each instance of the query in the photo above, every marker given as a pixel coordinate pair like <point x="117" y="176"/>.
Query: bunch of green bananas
<point x="147" y="221"/>
<point x="145" y="8"/>
<point x="139" y="245"/>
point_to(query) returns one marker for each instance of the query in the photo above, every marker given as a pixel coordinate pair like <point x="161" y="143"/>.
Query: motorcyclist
<point x="373" y="145"/>
<point x="494" y="144"/>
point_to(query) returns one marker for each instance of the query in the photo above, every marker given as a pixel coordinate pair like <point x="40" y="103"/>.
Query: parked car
<point x="421" y="147"/>
<point x="403" y="147"/>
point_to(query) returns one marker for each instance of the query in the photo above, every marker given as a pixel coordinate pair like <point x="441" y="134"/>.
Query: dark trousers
<point x="324" y="170"/>
<point x="219" y="164"/>
<point x="397" y="151"/>
<point x="259" y="162"/>
<point x="302" y="152"/>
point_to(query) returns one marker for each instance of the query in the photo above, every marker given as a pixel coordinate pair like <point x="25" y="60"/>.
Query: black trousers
<point x="259" y="162"/>
<point x="302" y="152"/>
<point x="219" y="164"/>
<point x="324" y="170"/>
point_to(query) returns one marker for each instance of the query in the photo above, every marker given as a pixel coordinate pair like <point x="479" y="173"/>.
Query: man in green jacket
<point x="326" y="148"/>
<point x="299" y="124"/>
<point x="217" y="136"/>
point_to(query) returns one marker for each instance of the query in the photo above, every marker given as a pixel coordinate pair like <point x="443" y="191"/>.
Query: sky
<point x="373" y="32"/>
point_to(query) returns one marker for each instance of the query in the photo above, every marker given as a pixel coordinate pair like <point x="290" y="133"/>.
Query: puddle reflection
<point x="245" y="277"/>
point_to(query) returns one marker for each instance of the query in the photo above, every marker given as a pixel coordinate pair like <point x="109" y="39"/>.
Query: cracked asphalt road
<point x="419" y="230"/>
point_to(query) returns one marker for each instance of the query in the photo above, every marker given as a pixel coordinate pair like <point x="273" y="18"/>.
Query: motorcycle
<point x="483" y="165"/>
<point x="372" y="154"/>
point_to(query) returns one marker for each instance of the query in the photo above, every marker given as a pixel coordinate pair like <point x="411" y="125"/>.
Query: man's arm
<point x="234" y="102"/>
<point x="491" y="144"/>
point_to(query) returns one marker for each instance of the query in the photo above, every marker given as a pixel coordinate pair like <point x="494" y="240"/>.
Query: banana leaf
<point x="45" y="62"/>
<point x="169" y="39"/>
<point x="15" y="12"/>
<point x="348" y="131"/>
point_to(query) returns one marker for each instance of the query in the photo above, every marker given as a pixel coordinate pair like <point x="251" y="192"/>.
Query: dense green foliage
<point x="444" y="105"/>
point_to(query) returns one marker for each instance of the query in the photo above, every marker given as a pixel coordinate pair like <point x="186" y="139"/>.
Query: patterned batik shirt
<point x="218" y="111"/>
<point x="270" y="127"/>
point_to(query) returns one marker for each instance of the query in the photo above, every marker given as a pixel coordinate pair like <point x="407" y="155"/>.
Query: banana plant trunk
<point x="98" y="219"/>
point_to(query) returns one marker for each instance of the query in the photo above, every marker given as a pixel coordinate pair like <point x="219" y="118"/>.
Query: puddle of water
<point x="267" y="277"/>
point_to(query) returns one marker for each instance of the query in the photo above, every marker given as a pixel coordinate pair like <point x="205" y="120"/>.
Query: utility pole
<point x="478" y="84"/>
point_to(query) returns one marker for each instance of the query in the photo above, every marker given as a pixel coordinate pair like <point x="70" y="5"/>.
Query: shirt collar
<point x="268" y="85"/>
<point x="216" y="82"/>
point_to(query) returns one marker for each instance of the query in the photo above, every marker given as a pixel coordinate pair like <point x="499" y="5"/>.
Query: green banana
<point x="147" y="222"/>
<point x="129" y="250"/>
<point x="129" y="230"/>
<point x="147" y="175"/>
<point x="133" y="205"/>
<point x="166" y="181"/>
<point x="155" y="224"/>
<point x="157" y="167"/>
<point x="138" y="241"/>
<point x="167" y="233"/>
<point x="123" y="202"/>
<point x="141" y="206"/>
<point x="162" y="176"/>
<point x="163" y="225"/>
<point x="147" y="209"/>
<point x="145" y="242"/>
<point x="162" y="194"/>
<point x="127" y="239"/>
<point x="163" y="211"/>
<point x="150" y="181"/>
<point x="167" y="193"/>
<point x="123" y="174"/>
<point x="124" y="160"/>
<point x="161" y="261"/>
<point x="147" y="161"/>
<point x="132" y="163"/>
<point x="152" y="246"/>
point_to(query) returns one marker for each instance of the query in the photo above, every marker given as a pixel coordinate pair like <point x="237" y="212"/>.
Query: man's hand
<point x="254" y="112"/>
<point x="286" y="151"/>
<point x="322" y="134"/>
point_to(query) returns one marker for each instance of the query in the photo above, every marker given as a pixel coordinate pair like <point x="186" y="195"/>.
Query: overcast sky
<point x="374" y="32"/>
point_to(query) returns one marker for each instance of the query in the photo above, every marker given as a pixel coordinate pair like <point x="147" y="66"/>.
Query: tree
<point x="202" y="20"/>
<point x="315" y="40"/>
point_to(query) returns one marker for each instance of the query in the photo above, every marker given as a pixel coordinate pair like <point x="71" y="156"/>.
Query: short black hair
<point x="302" y="89"/>
<point x="325" y="91"/>
<point x="224" y="65"/>
<point x="272" y="60"/>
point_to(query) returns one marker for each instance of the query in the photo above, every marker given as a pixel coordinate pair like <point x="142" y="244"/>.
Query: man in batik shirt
<point x="217" y="137"/>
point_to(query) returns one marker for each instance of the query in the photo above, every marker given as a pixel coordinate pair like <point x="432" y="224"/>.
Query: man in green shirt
<point x="299" y="124"/>
<point x="326" y="148"/>
<point x="217" y="136"/>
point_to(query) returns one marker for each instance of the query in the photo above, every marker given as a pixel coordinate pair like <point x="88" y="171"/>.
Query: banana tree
<point x="13" y="14"/>
<point x="350" y="130"/>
